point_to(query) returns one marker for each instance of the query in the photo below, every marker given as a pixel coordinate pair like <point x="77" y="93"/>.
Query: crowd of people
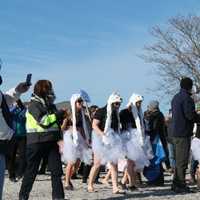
<point x="92" y="139"/>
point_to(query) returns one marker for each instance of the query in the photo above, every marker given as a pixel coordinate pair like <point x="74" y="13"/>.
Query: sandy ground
<point x="42" y="191"/>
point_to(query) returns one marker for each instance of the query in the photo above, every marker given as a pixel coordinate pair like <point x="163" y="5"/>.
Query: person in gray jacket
<point x="6" y="131"/>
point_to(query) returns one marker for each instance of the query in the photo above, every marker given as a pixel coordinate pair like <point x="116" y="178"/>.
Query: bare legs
<point x="106" y="178"/>
<point x="93" y="173"/>
<point x="131" y="174"/>
<point x="68" y="174"/>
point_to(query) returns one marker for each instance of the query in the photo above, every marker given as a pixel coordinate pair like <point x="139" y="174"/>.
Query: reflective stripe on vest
<point x="33" y="126"/>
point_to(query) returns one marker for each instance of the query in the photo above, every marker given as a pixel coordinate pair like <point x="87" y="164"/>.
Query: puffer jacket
<point x="42" y="121"/>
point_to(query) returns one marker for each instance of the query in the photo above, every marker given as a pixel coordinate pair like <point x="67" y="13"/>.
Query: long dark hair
<point x="42" y="87"/>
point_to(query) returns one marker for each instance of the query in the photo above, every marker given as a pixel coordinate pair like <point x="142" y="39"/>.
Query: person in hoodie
<point x="6" y="128"/>
<point x="43" y="122"/>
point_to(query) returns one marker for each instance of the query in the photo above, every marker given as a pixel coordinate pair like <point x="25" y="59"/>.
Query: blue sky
<point x="88" y="44"/>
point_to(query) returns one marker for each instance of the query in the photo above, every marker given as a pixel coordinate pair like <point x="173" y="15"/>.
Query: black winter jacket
<point x="183" y="114"/>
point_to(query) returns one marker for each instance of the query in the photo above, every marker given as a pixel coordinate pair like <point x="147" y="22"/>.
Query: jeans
<point x="171" y="155"/>
<point x="2" y="173"/>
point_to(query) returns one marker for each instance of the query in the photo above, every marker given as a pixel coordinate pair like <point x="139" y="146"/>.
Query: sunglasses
<point x="80" y="101"/>
<point x="117" y="104"/>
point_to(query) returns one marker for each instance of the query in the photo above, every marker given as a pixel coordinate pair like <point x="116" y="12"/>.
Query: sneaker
<point x="179" y="190"/>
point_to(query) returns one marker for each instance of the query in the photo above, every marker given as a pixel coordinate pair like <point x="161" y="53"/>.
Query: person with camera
<point x="43" y="123"/>
<point x="6" y="131"/>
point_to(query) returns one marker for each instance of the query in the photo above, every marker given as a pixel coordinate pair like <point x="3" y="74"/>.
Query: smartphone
<point x="28" y="79"/>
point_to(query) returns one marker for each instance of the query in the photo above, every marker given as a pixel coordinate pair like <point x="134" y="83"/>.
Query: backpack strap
<point x="6" y="112"/>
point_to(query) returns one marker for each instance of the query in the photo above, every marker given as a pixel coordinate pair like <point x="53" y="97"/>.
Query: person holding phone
<point x="43" y="123"/>
<point x="6" y="131"/>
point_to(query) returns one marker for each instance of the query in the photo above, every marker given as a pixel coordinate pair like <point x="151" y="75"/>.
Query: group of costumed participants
<point x="118" y="139"/>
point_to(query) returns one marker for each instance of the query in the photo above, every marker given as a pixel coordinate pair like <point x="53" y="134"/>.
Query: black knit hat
<point x="186" y="83"/>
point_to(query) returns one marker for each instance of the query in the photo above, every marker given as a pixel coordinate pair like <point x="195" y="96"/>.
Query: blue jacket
<point x="19" y="121"/>
<point x="183" y="114"/>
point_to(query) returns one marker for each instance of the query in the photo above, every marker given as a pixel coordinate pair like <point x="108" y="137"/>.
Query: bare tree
<point x="176" y="52"/>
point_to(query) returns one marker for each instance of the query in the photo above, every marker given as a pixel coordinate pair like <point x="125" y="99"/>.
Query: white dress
<point x="108" y="153"/>
<point x="195" y="147"/>
<point x="133" y="149"/>
<point x="72" y="152"/>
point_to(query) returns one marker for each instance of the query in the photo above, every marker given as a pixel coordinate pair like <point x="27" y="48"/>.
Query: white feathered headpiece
<point x="113" y="98"/>
<point x="134" y="99"/>
<point x="138" y="115"/>
<point x="73" y="100"/>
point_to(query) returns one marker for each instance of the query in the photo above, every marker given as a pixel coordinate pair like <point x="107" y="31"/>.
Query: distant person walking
<point x="183" y="118"/>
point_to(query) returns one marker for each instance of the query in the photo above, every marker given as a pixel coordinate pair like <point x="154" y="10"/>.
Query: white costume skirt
<point x="195" y="147"/>
<point x="110" y="151"/>
<point x="134" y="150"/>
<point x="72" y="152"/>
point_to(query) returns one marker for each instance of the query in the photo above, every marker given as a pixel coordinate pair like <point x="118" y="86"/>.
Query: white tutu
<point x="133" y="149"/>
<point x="122" y="165"/>
<point x="108" y="152"/>
<point x="72" y="152"/>
<point x="195" y="147"/>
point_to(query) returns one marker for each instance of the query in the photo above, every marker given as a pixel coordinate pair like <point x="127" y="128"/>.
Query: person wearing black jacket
<point x="43" y="123"/>
<point x="155" y="122"/>
<point x="183" y="118"/>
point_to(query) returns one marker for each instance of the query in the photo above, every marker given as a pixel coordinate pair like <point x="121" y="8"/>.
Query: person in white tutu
<point x="76" y="139"/>
<point x="106" y="142"/>
<point x="195" y="149"/>
<point x="134" y="140"/>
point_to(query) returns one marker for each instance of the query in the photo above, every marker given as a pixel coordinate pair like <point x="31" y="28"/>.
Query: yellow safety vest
<point x="32" y="126"/>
